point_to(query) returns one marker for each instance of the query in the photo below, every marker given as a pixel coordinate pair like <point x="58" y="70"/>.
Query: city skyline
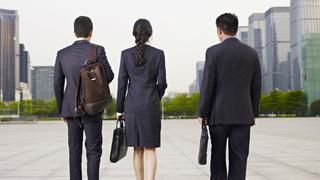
<point x="286" y="39"/>
<point x="51" y="26"/>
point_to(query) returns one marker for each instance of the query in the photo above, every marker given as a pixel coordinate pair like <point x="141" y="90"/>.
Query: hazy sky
<point x="182" y="28"/>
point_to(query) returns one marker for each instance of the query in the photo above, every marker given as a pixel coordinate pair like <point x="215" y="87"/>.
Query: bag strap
<point x="94" y="53"/>
<point x="78" y="106"/>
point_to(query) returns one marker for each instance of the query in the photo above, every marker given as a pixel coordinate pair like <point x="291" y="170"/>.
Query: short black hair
<point x="82" y="26"/>
<point x="228" y="23"/>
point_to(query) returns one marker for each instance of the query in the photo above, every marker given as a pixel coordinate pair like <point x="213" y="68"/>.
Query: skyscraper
<point x="42" y="82"/>
<point x="25" y="69"/>
<point x="196" y="84"/>
<point x="25" y="73"/>
<point x="200" y="68"/>
<point x="305" y="47"/>
<point x="257" y="39"/>
<point x="242" y="34"/>
<point x="277" y="48"/>
<point x="9" y="55"/>
<point x="193" y="88"/>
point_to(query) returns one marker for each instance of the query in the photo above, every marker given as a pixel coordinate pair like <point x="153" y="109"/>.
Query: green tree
<point x="181" y="105"/>
<point x="296" y="103"/>
<point x="265" y="104"/>
<point x="2" y="105"/>
<point x="277" y="102"/>
<point x="166" y="105"/>
<point x="315" y="107"/>
<point x="45" y="108"/>
<point x="52" y="107"/>
<point x="111" y="109"/>
<point x="8" y="108"/>
<point x="26" y="107"/>
<point x="194" y="98"/>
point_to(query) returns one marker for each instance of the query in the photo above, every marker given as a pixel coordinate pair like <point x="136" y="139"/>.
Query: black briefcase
<point x="118" y="148"/>
<point x="202" y="156"/>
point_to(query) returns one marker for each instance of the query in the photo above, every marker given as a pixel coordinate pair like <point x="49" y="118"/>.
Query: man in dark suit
<point x="68" y="64"/>
<point x="229" y="99"/>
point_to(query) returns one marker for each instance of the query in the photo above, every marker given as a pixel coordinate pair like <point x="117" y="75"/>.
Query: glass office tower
<point x="200" y="68"/>
<point x="25" y="73"/>
<point x="256" y="39"/>
<point x="9" y="55"/>
<point x="277" y="48"/>
<point x="310" y="55"/>
<point x="305" y="47"/>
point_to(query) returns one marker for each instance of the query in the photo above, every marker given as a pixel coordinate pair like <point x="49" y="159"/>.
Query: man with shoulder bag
<point x="86" y="69"/>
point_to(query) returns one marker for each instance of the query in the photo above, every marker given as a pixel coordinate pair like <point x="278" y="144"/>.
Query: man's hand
<point x="201" y="120"/>
<point x="121" y="117"/>
<point x="63" y="120"/>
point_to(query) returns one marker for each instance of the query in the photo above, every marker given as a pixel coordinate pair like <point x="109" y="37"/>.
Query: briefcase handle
<point x="120" y="123"/>
<point x="204" y="125"/>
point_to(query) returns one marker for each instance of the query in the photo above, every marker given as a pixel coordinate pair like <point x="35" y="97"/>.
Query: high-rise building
<point x="305" y="47"/>
<point x="200" y="68"/>
<point x="25" y="69"/>
<point x="25" y="74"/>
<point x="9" y="55"/>
<point x="242" y="34"/>
<point x="196" y="84"/>
<point x="257" y="40"/>
<point x="277" y="48"/>
<point x="193" y="88"/>
<point x="42" y="82"/>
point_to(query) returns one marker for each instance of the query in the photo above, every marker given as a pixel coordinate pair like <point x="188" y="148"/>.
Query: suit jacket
<point x="140" y="88"/>
<point x="68" y="64"/>
<point x="231" y="84"/>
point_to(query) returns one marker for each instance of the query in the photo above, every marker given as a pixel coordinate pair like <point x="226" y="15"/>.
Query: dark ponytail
<point x="142" y="30"/>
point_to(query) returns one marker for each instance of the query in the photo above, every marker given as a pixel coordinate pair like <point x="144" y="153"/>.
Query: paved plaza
<point x="281" y="149"/>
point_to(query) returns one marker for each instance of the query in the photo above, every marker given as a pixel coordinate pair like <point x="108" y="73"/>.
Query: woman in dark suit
<point x="141" y="85"/>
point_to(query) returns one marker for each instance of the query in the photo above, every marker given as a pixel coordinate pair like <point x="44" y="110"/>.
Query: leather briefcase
<point x="118" y="148"/>
<point x="202" y="156"/>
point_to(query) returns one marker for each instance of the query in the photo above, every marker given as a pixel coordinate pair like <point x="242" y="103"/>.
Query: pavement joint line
<point x="272" y="160"/>
<point x="184" y="155"/>
<point x="38" y="158"/>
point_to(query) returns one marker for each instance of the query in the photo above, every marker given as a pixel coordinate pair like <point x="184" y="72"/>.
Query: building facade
<point x="25" y="74"/>
<point x="196" y="84"/>
<point x="257" y="40"/>
<point x="277" y="49"/>
<point x="42" y="82"/>
<point x="200" y="68"/>
<point x="242" y="34"/>
<point x="305" y="47"/>
<point x="193" y="88"/>
<point x="25" y="68"/>
<point x="9" y="55"/>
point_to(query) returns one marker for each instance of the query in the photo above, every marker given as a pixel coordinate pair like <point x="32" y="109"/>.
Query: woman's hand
<point x="120" y="116"/>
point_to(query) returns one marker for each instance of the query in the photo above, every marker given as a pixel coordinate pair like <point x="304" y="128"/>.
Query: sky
<point x="184" y="29"/>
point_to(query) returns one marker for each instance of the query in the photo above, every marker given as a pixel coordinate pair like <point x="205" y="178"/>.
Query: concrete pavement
<point x="281" y="149"/>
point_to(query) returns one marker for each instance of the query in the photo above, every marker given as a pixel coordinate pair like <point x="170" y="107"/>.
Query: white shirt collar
<point x="228" y="37"/>
<point x="81" y="38"/>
